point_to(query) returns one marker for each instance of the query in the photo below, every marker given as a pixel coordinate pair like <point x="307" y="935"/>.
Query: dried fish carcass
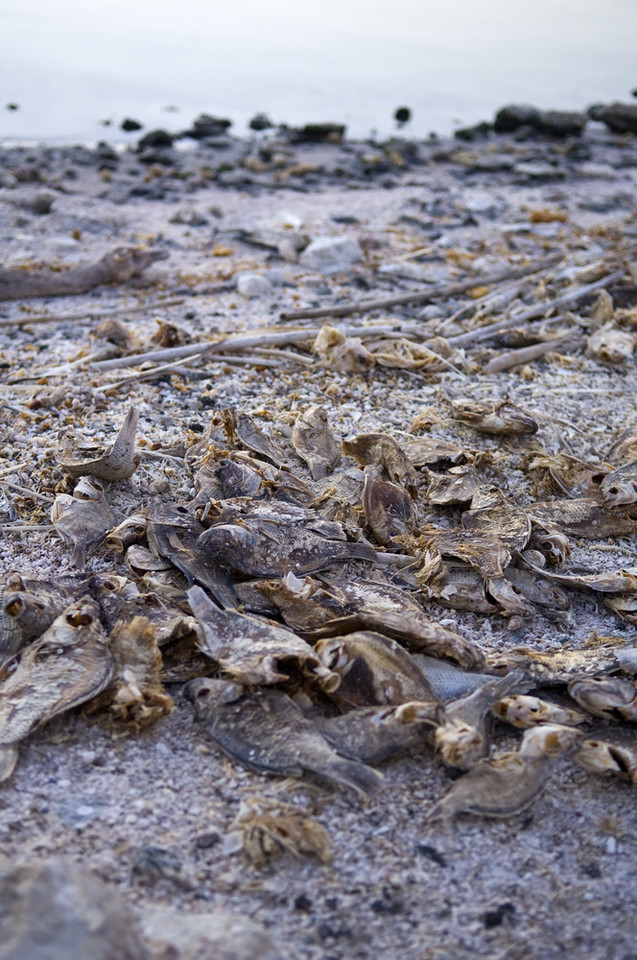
<point x="500" y="418"/>
<point x="314" y="442"/>
<point x="565" y="665"/>
<point x="82" y="519"/>
<point x="389" y="510"/>
<point x="31" y="606"/>
<point x="117" y="462"/>
<point x="372" y="734"/>
<point x="508" y="783"/>
<point x="606" y="697"/>
<point x="381" y="450"/>
<point x="619" y="487"/>
<point x="338" y="352"/>
<point x="253" y="650"/>
<point x="368" y="669"/>
<point x="602" y="756"/>
<point x="525" y="711"/>
<point x="267" y="732"/>
<point x="585" y="517"/>
<point x="68" y="665"/>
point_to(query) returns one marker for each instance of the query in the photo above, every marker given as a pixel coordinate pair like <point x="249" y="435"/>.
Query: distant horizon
<point x="68" y="68"/>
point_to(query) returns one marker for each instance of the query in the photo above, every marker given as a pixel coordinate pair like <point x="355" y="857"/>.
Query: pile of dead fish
<point x="298" y="596"/>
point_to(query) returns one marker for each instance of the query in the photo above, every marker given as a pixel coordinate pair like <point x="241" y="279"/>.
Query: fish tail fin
<point x="358" y="776"/>
<point x="362" y="551"/>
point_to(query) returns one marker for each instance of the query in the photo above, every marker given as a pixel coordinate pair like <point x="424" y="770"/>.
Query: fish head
<point x="224" y="538"/>
<point x="548" y="740"/>
<point x="206" y="694"/>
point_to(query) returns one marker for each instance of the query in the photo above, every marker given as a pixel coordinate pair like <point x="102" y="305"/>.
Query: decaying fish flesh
<point x="509" y="523"/>
<point x="264" y="829"/>
<point x="68" y="665"/>
<point x="481" y="549"/>
<point x="32" y="605"/>
<point x="10" y="637"/>
<point x="253" y="438"/>
<point x="508" y="783"/>
<point x="524" y="711"/>
<point x="252" y="650"/>
<point x="130" y="531"/>
<point x="585" y="517"/>
<point x="456" y="585"/>
<point x="538" y="588"/>
<point x="563" y="666"/>
<point x="117" y="462"/>
<point x="368" y="669"/>
<point x="614" y="581"/>
<point x="267" y="548"/>
<point x="389" y="509"/>
<point x="135" y="697"/>
<point x="498" y="417"/>
<point x="601" y="756"/>
<point x="338" y="352"/>
<point x="237" y="479"/>
<point x="174" y="534"/>
<point x="551" y="542"/>
<point x="314" y="442"/>
<point x="448" y="681"/>
<point x="619" y="488"/>
<point x="83" y="519"/>
<point x="463" y="737"/>
<point x="607" y="697"/>
<point x="381" y="450"/>
<point x="267" y="732"/>
<point x="339" y="606"/>
<point x="426" y="450"/>
<point x="372" y="734"/>
<point x="457" y="486"/>
<point x="574" y="477"/>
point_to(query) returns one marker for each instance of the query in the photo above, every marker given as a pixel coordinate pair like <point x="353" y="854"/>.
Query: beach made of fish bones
<point x="318" y="501"/>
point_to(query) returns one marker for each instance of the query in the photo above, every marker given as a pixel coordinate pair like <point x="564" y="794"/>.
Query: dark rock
<point x="302" y="902"/>
<point x="54" y="908"/>
<point x="260" y="121"/>
<point x="13" y="106"/>
<point x="129" y="125"/>
<point x="27" y="173"/>
<point x="515" y="115"/>
<point x="207" y="126"/>
<point x="592" y="870"/>
<point x="479" y="131"/>
<point x="426" y="850"/>
<point x="156" y="155"/>
<point x="561" y="123"/>
<point x="156" y="863"/>
<point x="402" y="115"/>
<point x="155" y="138"/>
<point x="41" y="203"/>
<point x="317" y="133"/>
<point x="619" y="117"/>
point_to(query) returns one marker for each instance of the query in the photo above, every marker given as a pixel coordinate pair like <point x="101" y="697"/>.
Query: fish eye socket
<point x="202" y="694"/>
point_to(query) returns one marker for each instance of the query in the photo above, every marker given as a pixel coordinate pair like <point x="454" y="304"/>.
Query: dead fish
<point x="265" y="829"/>
<point x="381" y="450"/>
<point x="508" y="523"/>
<point x="267" y="732"/>
<point x="524" y="711"/>
<point x="388" y="508"/>
<point x="238" y="479"/>
<point x="462" y="739"/>
<point x="574" y="477"/>
<point x="538" y="588"/>
<point x="607" y="697"/>
<point x="249" y="649"/>
<point x="82" y="519"/>
<point x="253" y="438"/>
<point x="338" y="352"/>
<point x="550" y="542"/>
<point x="426" y="450"/>
<point x="10" y="638"/>
<point x="33" y="605"/>
<point x="585" y="517"/>
<point x="623" y="450"/>
<point x="481" y="549"/>
<point x="500" y="418"/>
<point x="508" y="783"/>
<point x="610" y="344"/>
<point x="68" y="665"/>
<point x="129" y="531"/>
<point x="623" y="604"/>
<point x="448" y="681"/>
<point x="368" y="669"/>
<point x="338" y="606"/>
<point x="510" y="598"/>
<point x="563" y="666"/>
<point x="600" y="756"/>
<point x="174" y="534"/>
<point x="314" y="442"/>
<point x="372" y="734"/>
<point x="135" y="697"/>
<point x="456" y="585"/>
<point x="117" y="462"/>
<point x="457" y="486"/>
<point x="615" y="581"/>
<point x="141" y="560"/>
<point x="619" y="488"/>
<point x="265" y="548"/>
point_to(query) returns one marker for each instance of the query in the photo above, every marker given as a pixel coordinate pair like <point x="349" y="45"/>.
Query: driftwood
<point x="118" y="266"/>
<point x="424" y="296"/>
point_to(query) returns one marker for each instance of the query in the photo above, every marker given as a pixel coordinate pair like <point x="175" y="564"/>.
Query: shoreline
<point x="424" y="215"/>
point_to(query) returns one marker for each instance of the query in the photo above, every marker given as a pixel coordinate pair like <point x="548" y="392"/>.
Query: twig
<point x="438" y="292"/>
<point x="243" y="342"/>
<point x="174" y="367"/>
<point x="25" y="528"/>
<point x="84" y="314"/>
<point x="515" y="358"/>
<point x="26" y="492"/>
<point x="531" y="313"/>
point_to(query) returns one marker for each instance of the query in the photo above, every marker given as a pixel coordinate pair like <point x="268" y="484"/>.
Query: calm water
<point x="70" y="64"/>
